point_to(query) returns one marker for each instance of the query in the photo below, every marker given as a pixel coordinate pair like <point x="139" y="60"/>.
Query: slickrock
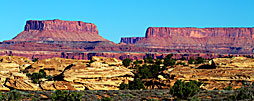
<point x="21" y="84"/>
<point x="10" y="67"/>
<point x="23" y="62"/>
<point x="58" y="30"/>
<point x="67" y="74"/>
<point x="53" y="67"/>
<point x="100" y="75"/>
<point x="109" y="61"/>
<point x="229" y="71"/>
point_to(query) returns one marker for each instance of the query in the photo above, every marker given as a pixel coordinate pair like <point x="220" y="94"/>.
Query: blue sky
<point x="124" y="18"/>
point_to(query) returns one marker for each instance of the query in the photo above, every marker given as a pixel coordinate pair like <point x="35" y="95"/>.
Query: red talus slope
<point x="58" y="30"/>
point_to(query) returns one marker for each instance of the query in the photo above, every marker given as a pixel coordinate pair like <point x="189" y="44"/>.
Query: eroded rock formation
<point x="236" y="72"/>
<point x="67" y="74"/>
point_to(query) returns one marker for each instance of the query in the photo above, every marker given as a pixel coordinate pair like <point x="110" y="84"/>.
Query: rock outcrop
<point x="63" y="74"/>
<point x="102" y="74"/>
<point x="236" y="72"/>
<point x="58" y="30"/>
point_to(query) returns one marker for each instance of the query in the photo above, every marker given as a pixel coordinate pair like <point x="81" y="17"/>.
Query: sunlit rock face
<point x="219" y="40"/>
<point x="66" y="74"/>
<point x="58" y="30"/>
<point x="235" y="72"/>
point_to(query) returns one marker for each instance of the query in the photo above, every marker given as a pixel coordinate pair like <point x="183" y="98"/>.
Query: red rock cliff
<point x="58" y="30"/>
<point x="220" y="40"/>
<point x="200" y="32"/>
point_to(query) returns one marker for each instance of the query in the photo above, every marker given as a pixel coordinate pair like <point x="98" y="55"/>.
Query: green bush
<point x="14" y="95"/>
<point x="60" y="95"/>
<point x="123" y="86"/>
<point x="244" y="94"/>
<point x="106" y="99"/>
<point x="3" y="96"/>
<point x="191" y="60"/>
<point x="126" y="62"/>
<point x="169" y="61"/>
<point x="158" y="62"/>
<point x="137" y="84"/>
<point x="35" y="77"/>
<point x="149" y="59"/>
<point x="35" y="59"/>
<point x="228" y="88"/>
<point x="184" y="90"/>
<point x="199" y="60"/>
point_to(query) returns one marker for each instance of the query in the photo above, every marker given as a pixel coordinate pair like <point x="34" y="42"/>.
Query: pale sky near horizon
<point x="124" y="18"/>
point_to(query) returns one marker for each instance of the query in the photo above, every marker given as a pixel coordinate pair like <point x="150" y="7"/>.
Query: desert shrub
<point x="14" y="95"/>
<point x="191" y="60"/>
<point x="244" y="93"/>
<point x="35" y="77"/>
<point x="126" y="62"/>
<point x="169" y="61"/>
<point x="149" y="71"/>
<point x="149" y="59"/>
<point x="60" y="95"/>
<point x="228" y="88"/>
<point x="143" y="72"/>
<point x="158" y="62"/>
<point x="184" y="90"/>
<point x="3" y="96"/>
<point x="137" y="84"/>
<point x="106" y="99"/>
<point x="199" y="60"/>
<point x="123" y="86"/>
<point x="35" y="59"/>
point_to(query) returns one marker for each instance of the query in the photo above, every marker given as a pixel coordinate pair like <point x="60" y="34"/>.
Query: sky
<point x="127" y="18"/>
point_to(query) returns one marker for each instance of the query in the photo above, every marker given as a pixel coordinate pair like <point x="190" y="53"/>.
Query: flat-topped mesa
<point x="233" y="32"/>
<point x="58" y="30"/>
<point x="59" y="25"/>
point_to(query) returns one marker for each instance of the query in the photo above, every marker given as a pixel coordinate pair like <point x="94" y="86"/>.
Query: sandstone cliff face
<point x="218" y="40"/>
<point x="58" y="30"/>
<point x="200" y="32"/>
